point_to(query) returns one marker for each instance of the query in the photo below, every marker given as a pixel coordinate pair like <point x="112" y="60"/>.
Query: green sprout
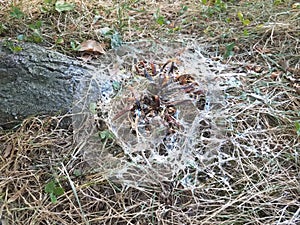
<point x="245" y="22"/>
<point x="54" y="190"/>
<point x="297" y="126"/>
<point x="36" y="35"/>
<point x="16" y="13"/>
<point x="93" y="108"/>
<point x="12" y="46"/>
<point x="63" y="6"/>
<point x="106" y="135"/>
<point x="160" y="19"/>
<point x="229" y="50"/>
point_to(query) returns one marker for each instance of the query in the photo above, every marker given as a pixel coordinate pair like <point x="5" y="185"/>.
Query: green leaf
<point x="49" y="187"/>
<point x="116" y="85"/>
<point x="16" y="48"/>
<point x="77" y="173"/>
<point x="176" y="29"/>
<point x="53" y="198"/>
<point x="59" y="40"/>
<point x="49" y="1"/>
<point x="44" y="9"/>
<point x="35" y="26"/>
<point x="277" y="2"/>
<point x="160" y="20"/>
<point x="220" y="5"/>
<point x="183" y="9"/>
<point x="246" y="22"/>
<point x="54" y="190"/>
<point x="12" y="46"/>
<point x="2" y="28"/>
<point x="93" y="107"/>
<point x="35" y="37"/>
<point x="53" y="187"/>
<point x="63" y="6"/>
<point x="106" y="135"/>
<point x="49" y="5"/>
<point x="297" y="125"/>
<point x="16" y="13"/>
<point x="245" y="32"/>
<point x="229" y="50"/>
<point x="115" y="40"/>
<point x="58" y="191"/>
<point x="240" y="16"/>
<point x="74" y="46"/>
<point x="102" y="135"/>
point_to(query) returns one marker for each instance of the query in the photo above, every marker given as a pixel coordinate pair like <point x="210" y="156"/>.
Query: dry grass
<point x="255" y="177"/>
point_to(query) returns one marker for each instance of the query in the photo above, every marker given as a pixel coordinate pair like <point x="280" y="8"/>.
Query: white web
<point x="134" y="156"/>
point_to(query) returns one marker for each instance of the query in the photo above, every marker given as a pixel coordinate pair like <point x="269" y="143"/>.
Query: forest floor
<point x="255" y="178"/>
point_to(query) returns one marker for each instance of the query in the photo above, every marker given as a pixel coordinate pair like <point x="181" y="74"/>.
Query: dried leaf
<point x="16" y="195"/>
<point x="7" y="150"/>
<point x="85" y="58"/>
<point x="284" y="64"/>
<point x="258" y="69"/>
<point x="274" y="75"/>
<point x="91" y="46"/>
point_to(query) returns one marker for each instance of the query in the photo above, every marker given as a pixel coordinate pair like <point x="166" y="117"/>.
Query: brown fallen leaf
<point x="275" y="74"/>
<point x="258" y="69"/>
<point x="7" y="151"/>
<point x="91" y="46"/>
<point x="85" y="58"/>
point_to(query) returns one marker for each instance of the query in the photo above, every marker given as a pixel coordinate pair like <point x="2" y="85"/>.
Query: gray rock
<point x="36" y="81"/>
